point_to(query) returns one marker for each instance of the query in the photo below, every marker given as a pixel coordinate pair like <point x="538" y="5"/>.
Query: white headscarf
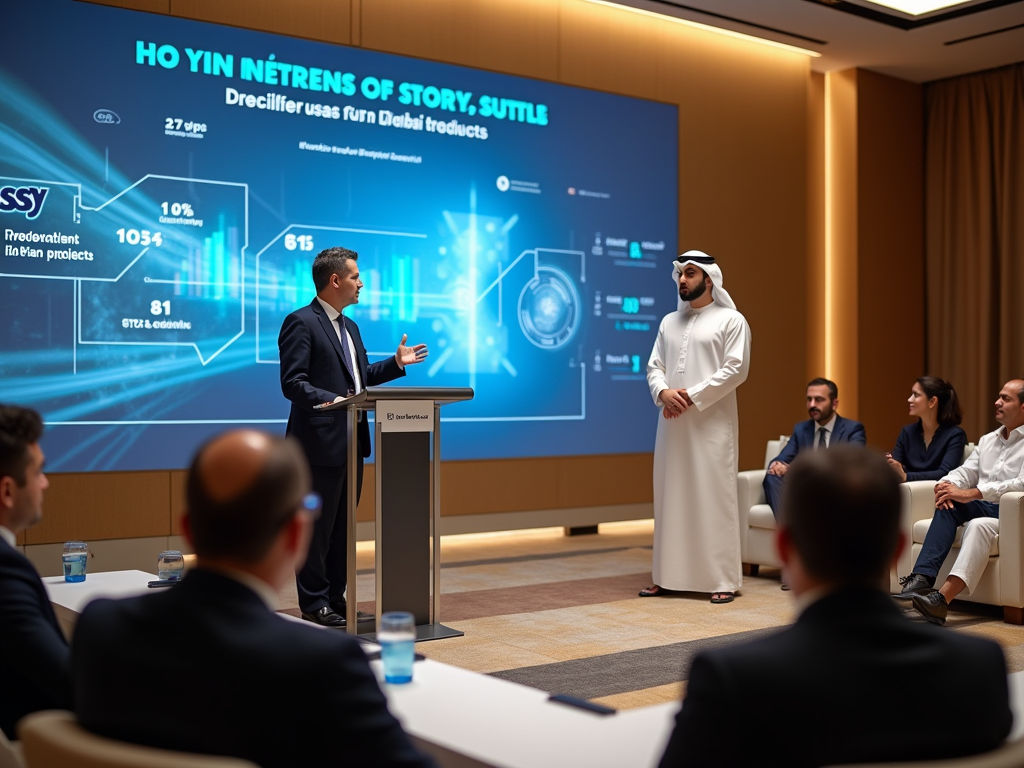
<point x="707" y="263"/>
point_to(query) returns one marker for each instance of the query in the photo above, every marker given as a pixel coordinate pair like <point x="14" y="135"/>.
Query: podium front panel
<point x="404" y="467"/>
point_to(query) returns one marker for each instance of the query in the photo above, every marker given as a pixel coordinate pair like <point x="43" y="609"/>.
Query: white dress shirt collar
<point x="332" y="313"/>
<point x="1012" y="437"/>
<point x="8" y="535"/>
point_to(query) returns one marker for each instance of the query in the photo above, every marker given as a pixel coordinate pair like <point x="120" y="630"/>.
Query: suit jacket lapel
<point x="357" y="343"/>
<point x="812" y="432"/>
<point x="332" y="334"/>
<point x="840" y="429"/>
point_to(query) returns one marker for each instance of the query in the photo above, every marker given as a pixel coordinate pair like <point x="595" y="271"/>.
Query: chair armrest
<point x="917" y="502"/>
<point x="918" y="499"/>
<point x="749" y="491"/>
<point x="1011" y="575"/>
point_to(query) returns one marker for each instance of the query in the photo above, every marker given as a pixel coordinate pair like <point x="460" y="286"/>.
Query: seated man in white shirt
<point x="970" y="493"/>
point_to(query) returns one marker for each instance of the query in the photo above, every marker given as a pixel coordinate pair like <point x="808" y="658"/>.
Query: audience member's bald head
<point x="242" y="487"/>
<point x="841" y="509"/>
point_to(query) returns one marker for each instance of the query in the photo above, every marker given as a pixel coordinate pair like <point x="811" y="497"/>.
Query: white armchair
<point x="1002" y="583"/>
<point x="757" y="523"/>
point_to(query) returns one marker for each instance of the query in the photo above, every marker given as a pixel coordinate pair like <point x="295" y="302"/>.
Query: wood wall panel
<point x="610" y="50"/>
<point x="499" y="486"/>
<point x="104" y="505"/>
<point x="177" y="481"/>
<point x="356" y="29"/>
<point x="517" y="485"/>
<point x="842" y="246"/>
<point x="518" y="37"/>
<point x="312" y="19"/>
<point x="478" y="487"/>
<point x="594" y="481"/>
<point x="890" y="203"/>
<point x="177" y="506"/>
<point x="153" y="6"/>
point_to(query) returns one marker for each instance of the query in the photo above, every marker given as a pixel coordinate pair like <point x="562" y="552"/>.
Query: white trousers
<point x="975" y="546"/>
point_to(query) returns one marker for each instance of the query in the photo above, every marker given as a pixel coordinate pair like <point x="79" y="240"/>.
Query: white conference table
<point x="69" y="598"/>
<point x="468" y="720"/>
<point x="463" y="718"/>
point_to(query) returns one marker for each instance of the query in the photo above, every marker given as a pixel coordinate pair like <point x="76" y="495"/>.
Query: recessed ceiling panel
<point x="917" y="7"/>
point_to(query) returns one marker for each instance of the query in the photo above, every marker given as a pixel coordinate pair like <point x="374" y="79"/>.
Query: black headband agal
<point x="696" y="259"/>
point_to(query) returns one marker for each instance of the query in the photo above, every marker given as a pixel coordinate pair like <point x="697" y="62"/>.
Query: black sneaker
<point x="932" y="606"/>
<point x="915" y="584"/>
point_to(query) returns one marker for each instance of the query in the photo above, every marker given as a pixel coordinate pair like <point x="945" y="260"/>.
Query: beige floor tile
<point x="481" y="654"/>
<point x="646" y="697"/>
<point x="527" y="573"/>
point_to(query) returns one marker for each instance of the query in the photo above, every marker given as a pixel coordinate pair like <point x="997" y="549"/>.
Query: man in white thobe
<point x="701" y="355"/>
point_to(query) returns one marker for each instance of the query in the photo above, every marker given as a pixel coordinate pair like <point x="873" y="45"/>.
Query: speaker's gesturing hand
<point x="410" y="355"/>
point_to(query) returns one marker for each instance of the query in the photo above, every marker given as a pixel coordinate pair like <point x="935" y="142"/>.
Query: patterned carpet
<point x="562" y="614"/>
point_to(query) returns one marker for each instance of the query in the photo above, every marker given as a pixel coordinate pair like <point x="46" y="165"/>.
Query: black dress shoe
<point x="342" y="607"/>
<point x="932" y="606"/>
<point x="325" y="617"/>
<point x="915" y="584"/>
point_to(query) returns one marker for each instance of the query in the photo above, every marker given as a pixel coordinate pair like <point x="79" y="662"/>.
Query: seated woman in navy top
<point x="934" y="445"/>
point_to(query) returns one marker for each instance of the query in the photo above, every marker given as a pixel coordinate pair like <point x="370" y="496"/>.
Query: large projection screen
<point x="165" y="185"/>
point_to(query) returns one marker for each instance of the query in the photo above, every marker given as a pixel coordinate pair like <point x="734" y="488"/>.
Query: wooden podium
<point x="407" y="424"/>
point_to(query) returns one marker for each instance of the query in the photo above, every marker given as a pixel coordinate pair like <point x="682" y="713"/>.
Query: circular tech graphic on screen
<point x="549" y="309"/>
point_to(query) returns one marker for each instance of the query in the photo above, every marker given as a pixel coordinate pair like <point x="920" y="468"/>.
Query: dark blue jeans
<point x="942" y="533"/>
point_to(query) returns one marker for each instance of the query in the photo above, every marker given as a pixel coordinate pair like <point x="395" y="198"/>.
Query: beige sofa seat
<point x="757" y="523"/>
<point x="1002" y="583"/>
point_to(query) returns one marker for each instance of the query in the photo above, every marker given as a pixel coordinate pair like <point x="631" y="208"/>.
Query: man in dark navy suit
<point x="229" y="675"/>
<point x="323" y="360"/>
<point x="33" y="652"/>
<point x="824" y="429"/>
<point x="836" y="677"/>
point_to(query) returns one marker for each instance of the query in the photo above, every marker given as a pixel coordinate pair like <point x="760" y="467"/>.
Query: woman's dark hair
<point x="950" y="411"/>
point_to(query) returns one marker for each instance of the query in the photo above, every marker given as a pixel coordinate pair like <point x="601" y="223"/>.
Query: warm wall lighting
<point x="917" y="7"/>
<point x="829" y="318"/>
<point x="706" y="27"/>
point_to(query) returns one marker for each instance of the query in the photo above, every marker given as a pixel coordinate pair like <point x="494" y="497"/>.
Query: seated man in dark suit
<point x="824" y="429"/>
<point x="828" y="690"/>
<point x="207" y="666"/>
<point x="33" y="652"/>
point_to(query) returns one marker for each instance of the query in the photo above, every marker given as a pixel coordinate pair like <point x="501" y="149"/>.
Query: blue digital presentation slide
<point x="165" y="185"/>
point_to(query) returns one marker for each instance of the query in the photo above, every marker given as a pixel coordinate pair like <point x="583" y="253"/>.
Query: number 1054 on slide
<point x="139" y="237"/>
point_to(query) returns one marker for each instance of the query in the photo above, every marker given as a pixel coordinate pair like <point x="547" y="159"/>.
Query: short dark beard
<point x="817" y="421"/>
<point x="696" y="293"/>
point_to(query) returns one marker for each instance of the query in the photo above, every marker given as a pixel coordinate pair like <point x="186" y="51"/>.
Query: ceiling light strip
<point x="706" y="27"/>
<point x="917" y="7"/>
